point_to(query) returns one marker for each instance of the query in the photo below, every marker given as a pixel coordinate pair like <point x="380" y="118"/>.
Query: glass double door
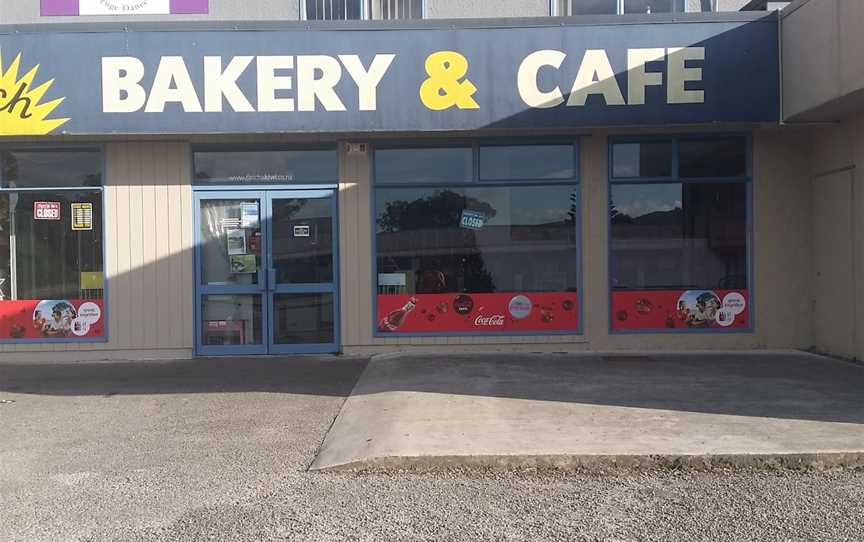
<point x="266" y="272"/>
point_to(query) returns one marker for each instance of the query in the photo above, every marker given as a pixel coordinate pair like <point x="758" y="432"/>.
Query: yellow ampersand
<point x="442" y="90"/>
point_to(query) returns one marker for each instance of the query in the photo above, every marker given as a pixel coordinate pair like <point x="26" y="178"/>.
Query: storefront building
<point x="549" y="184"/>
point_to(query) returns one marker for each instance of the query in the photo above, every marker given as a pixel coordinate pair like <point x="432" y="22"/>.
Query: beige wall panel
<point x="834" y="307"/>
<point x="782" y="263"/>
<point x="811" y="71"/>
<point x="838" y="155"/>
<point x="148" y="262"/>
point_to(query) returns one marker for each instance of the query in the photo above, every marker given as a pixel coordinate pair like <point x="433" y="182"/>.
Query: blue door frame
<point x="267" y="286"/>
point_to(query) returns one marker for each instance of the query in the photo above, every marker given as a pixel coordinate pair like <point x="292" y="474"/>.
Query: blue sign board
<point x="298" y="80"/>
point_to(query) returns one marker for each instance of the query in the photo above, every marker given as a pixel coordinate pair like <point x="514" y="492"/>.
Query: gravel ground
<point x="218" y="450"/>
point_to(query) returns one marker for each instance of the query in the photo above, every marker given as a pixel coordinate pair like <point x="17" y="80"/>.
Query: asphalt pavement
<point x="219" y="450"/>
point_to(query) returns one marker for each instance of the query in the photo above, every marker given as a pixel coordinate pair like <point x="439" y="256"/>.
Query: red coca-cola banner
<point x="52" y="319"/>
<point x="457" y="313"/>
<point x="680" y="309"/>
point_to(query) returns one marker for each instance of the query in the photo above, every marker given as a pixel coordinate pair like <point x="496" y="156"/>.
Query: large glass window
<point x="479" y="256"/>
<point x="278" y="166"/>
<point x="51" y="253"/>
<point x="679" y="247"/>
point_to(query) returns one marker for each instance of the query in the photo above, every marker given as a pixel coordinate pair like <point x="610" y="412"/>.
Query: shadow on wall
<point x="641" y="95"/>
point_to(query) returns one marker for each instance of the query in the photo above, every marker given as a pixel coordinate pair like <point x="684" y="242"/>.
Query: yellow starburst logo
<point x="21" y="110"/>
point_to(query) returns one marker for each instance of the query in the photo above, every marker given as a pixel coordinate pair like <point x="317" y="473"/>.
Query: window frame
<point x="365" y="13"/>
<point x="475" y="182"/>
<point x="265" y="147"/>
<point x="100" y="189"/>
<point x="680" y="7"/>
<point x="676" y="179"/>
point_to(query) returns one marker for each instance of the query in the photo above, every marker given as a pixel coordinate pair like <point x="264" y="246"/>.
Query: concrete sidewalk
<point x="588" y="410"/>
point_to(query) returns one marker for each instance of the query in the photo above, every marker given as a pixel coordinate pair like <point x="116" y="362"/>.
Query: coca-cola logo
<point x="492" y="320"/>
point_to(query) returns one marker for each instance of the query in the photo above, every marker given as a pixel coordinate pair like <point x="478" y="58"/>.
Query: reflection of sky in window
<point x="527" y="162"/>
<point x="424" y="165"/>
<point x="639" y="200"/>
<point x="625" y="160"/>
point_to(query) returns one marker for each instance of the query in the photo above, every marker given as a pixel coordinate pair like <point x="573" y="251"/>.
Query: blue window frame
<point x="476" y="238"/>
<point x="53" y="287"/>
<point x="680" y="215"/>
<point x="289" y="303"/>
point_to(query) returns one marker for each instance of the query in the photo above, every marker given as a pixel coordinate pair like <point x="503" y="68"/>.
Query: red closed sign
<point x="46" y="210"/>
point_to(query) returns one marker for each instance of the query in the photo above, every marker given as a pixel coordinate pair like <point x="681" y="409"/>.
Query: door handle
<point x="261" y="286"/>
<point x="271" y="278"/>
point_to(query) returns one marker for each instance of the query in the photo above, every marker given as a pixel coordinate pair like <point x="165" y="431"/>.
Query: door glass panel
<point x="231" y="320"/>
<point x="303" y="318"/>
<point x="303" y="240"/>
<point x="230" y="241"/>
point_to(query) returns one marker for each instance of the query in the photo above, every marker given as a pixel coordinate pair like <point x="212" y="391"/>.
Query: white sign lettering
<point x="596" y="76"/>
<point x="494" y="320"/>
<point x="315" y="79"/>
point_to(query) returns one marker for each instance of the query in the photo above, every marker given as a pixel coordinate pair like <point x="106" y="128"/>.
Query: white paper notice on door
<point x="301" y="231"/>
<point x="236" y="242"/>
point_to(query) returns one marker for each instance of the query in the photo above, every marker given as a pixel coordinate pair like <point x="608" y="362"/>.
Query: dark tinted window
<point x="267" y="167"/>
<point x="426" y="165"/>
<point x="520" y="239"/>
<point x="593" y="7"/>
<point x="713" y="157"/>
<point x="646" y="159"/>
<point x="679" y="236"/>
<point x="40" y="169"/>
<point x="652" y="6"/>
<point x="527" y="162"/>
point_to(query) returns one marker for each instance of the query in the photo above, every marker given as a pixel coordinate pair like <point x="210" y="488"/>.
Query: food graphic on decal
<point x="698" y="308"/>
<point x="567" y="305"/>
<point x="442" y="307"/>
<point x="17" y="332"/>
<point x="396" y="318"/>
<point x="431" y="316"/>
<point x="670" y="320"/>
<point x="463" y="304"/>
<point x="622" y="315"/>
<point x="546" y="315"/>
<point x="644" y="305"/>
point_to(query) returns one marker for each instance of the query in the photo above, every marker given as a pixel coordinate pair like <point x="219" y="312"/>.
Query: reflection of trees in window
<point x="441" y="209"/>
<point x="450" y="260"/>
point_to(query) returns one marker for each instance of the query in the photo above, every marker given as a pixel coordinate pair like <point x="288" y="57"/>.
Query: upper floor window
<point x="397" y="9"/>
<point x="333" y="10"/>
<point x="615" y="7"/>
<point x="348" y="10"/>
